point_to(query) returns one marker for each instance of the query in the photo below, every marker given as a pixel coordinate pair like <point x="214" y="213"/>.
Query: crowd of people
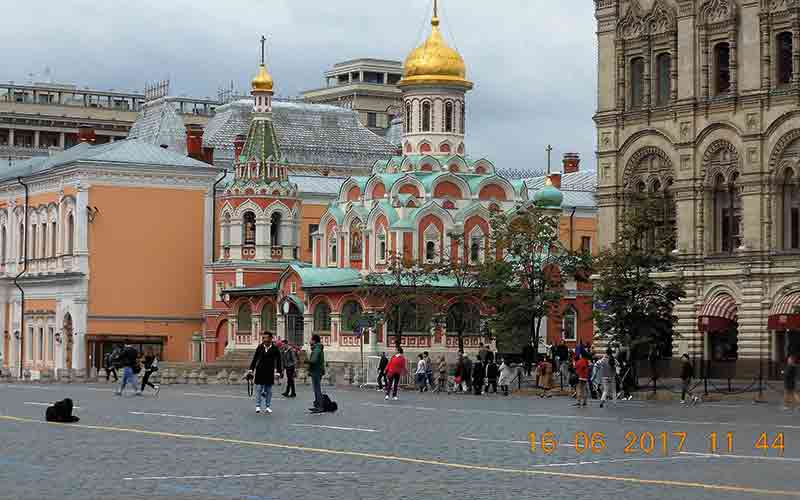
<point x="132" y="363"/>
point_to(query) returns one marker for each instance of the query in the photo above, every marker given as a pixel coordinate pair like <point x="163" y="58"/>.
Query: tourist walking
<point x="492" y="372"/>
<point x="266" y="362"/>
<point x="428" y="370"/>
<point x="316" y="368"/>
<point x="108" y="364"/>
<point x="467" y="375"/>
<point x="129" y="360"/>
<point x="483" y="353"/>
<point x="442" y="387"/>
<point x="419" y="375"/>
<point x="504" y="380"/>
<point x="582" y="372"/>
<point x="791" y="398"/>
<point x="289" y="359"/>
<point x="150" y="367"/>
<point x="687" y="372"/>
<point x="382" y="370"/>
<point x="606" y="371"/>
<point x="394" y="370"/>
<point x="458" y="375"/>
<point x="545" y="371"/>
<point x="478" y="376"/>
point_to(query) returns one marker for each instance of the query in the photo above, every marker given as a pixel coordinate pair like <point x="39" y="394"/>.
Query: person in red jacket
<point x="582" y="370"/>
<point x="394" y="370"/>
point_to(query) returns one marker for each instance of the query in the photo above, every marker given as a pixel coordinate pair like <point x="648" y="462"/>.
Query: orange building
<point x="105" y="242"/>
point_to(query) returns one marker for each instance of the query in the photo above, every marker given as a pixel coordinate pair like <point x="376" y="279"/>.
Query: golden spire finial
<point x="263" y="80"/>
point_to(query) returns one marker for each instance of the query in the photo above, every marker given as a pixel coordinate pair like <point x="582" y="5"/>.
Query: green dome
<point x="548" y="197"/>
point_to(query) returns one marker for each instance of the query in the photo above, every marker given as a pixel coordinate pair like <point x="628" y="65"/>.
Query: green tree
<point x="634" y="306"/>
<point x="525" y="271"/>
<point x="396" y="293"/>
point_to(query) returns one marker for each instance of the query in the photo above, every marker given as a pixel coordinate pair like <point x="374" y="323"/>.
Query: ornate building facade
<point x="698" y="110"/>
<point x="407" y="205"/>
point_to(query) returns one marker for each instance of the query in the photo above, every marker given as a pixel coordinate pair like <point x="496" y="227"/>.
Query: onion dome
<point x="549" y="196"/>
<point x="434" y="62"/>
<point x="262" y="81"/>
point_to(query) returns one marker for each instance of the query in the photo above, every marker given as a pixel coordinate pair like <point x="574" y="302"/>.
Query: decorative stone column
<point x="79" y="344"/>
<point x="336" y="328"/>
<point x="255" y="330"/>
<point x="308" y="328"/>
<point x="81" y="229"/>
<point x="734" y="65"/>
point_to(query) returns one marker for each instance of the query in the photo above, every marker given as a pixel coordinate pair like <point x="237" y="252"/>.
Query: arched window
<point x="727" y="215"/>
<point x="21" y="240"/>
<point x="3" y="245"/>
<point x="53" y="238"/>
<point x="663" y="82"/>
<point x="409" y="119"/>
<point x="783" y="46"/>
<point x="791" y="211"/>
<point x="569" y="324"/>
<point x="461" y="120"/>
<point x="33" y="241"/>
<point x="44" y="240"/>
<point x="244" y="319"/>
<point x="332" y="248"/>
<point x="269" y="320"/>
<point x="275" y="229"/>
<point x="70" y="234"/>
<point x="226" y="230"/>
<point x="430" y="251"/>
<point x="426" y="117"/>
<point x="637" y="82"/>
<point x="448" y="117"/>
<point x="474" y="251"/>
<point x="322" y="317"/>
<point x="722" y="68"/>
<point x="249" y="228"/>
<point x="351" y="314"/>
<point x="464" y="317"/>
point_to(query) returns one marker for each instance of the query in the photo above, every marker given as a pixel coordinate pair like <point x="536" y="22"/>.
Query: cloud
<point x="533" y="61"/>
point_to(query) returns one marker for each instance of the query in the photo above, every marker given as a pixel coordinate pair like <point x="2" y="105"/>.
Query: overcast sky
<point x="533" y="61"/>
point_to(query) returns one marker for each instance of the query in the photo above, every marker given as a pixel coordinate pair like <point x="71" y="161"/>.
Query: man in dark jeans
<point x="316" y="368"/>
<point x="289" y="363"/>
<point x="382" y="371"/>
<point x="108" y="364"/>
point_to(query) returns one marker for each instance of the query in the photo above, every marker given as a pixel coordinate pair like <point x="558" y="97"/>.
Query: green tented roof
<point x="261" y="144"/>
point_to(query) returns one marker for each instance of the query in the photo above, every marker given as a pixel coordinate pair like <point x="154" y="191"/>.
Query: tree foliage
<point x="525" y="272"/>
<point x="634" y="306"/>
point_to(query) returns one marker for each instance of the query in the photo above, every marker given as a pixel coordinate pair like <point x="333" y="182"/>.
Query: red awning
<point x="718" y="313"/>
<point x="785" y="313"/>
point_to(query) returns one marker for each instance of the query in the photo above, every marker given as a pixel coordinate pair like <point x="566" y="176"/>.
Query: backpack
<point x="116" y="358"/>
<point x="328" y="404"/>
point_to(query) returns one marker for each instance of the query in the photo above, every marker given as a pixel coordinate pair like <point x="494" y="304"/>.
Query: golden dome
<point x="262" y="81"/>
<point x="434" y="62"/>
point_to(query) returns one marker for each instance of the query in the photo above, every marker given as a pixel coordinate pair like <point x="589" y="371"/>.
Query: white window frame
<point x="333" y="249"/>
<point x="574" y="324"/>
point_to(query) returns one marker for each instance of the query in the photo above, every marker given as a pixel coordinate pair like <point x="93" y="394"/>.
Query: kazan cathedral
<point x="406" y="205"/>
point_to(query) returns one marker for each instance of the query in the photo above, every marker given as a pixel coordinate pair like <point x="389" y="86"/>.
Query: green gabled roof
<point x="520" y="187"/>
<point x="408" y="221"/>
<point x="336" y="212"/>
<point x="389" y="180"/>
<point x="265" y="289"/>
<point x="261" y="144"/>
<point x="321" y="277"/>
<point x="390" y="211"/>
<point x="361" y="211"/>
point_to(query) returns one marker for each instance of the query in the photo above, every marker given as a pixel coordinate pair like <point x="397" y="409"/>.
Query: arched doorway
<point x="294" y="325"/>
<point x="718" y="321"/>
<point x="222" y="338"/>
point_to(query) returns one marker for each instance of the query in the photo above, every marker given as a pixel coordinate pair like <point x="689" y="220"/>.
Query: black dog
<point x="61" y="411"/>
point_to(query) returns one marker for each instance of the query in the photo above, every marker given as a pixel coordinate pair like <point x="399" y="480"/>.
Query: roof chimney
<point x="555" y="179"/>
<point x="194" y="141"/>
<point x="571" y="162"/>
<point x="238" y="146"/>
<point x="86" y="134"/>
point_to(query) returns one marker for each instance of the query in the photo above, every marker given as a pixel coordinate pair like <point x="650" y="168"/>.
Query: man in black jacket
<point x="382" y="370"/>
<point x="266" y="362"/>
<point x="129" y="360"/>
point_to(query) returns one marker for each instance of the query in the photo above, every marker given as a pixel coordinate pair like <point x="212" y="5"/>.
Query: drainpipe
<point x="24" y="269"/>
<point x="572" y="229"/>
<point x="214" y="215"/>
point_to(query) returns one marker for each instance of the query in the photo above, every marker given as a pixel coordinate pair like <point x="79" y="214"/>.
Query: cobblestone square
<point x="205" y="442"/>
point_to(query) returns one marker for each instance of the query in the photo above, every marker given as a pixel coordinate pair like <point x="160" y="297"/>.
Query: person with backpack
<point x="382" y="371"/>
<point x="289" y="364"/>
<point x="129" y="360"/>
<point x="150" y="367"/>
<point x="266" y="363"/>
<point x="316" y="368"/>
<point x="108" y="365"/>
<point x="687" y="372"/>
<point x="582" y="373"/>
<point x="790" y="396"/>
<point x="606" y="371"/>
<point x="394" y="370"/>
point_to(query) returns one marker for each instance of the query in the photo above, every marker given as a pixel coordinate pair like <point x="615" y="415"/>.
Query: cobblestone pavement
<point x="207" y="442"/>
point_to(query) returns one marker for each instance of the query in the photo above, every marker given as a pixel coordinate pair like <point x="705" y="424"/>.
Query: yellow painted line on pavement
<point x="423" y="461"/>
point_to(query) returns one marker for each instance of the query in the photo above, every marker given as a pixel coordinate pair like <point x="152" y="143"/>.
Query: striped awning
<point x="718" y="313"/>
<point x="785" y="313"/>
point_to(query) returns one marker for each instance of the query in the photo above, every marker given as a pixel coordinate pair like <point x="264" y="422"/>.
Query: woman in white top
<point x="420" y="373"/>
